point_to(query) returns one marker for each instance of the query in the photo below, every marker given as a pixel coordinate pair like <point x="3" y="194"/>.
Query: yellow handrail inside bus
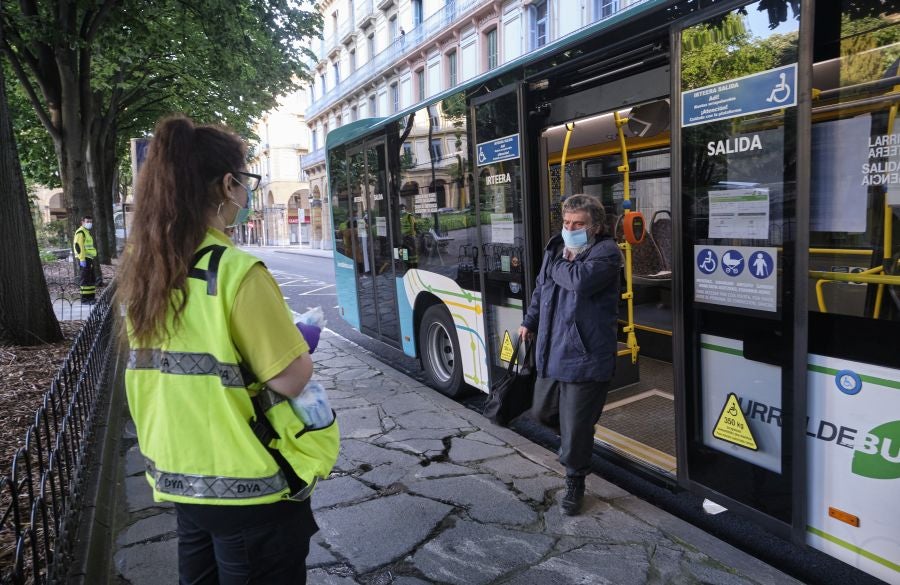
<point x="628" y="295"/>
<point x="570" y="126"/>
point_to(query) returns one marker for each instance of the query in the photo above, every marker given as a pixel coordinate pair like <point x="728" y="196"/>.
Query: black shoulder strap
<point x="264" y="431"/>
<point x="211" y="274"/>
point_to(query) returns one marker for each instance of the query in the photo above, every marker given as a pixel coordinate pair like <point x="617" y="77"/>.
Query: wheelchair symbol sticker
<point x="761" y="264"/>
<point x="782" y="90"/>
<point x="732" y="263"/>
<point x="707" y="261"/>
<point x="848" y="382"/>
<point x="481" y="156"/>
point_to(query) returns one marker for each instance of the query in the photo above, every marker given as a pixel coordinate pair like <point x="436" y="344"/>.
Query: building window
<point x="338" y="121"/>
<point x="370" y="45"/>
<point x="605" y="8"/>
<point x="315" y="140"/>
<point x="491" y="49"/>
<point x="407" y="151"/>
<point x="395" y="98"/>
<point x="420" y="83"/>
<point x="354" y="114"/>
<point x="325" y="129"/>
<point x="539" y="13"/>
<point x="393" y="31"/>
<point x="352" y="60"/>
<point x="451" y="68"/>
<point x="417" y="12"/>
<point x="324" y="87"/>
<point x="436" y="150"/>
<point x="336" y="67"/>
<point x="373" y="106"/>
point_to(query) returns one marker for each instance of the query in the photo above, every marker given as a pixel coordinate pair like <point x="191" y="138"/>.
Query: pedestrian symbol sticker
<point x="761" y="265"/>
<point x="506" y="348"/>
<point x="732" y="426"/>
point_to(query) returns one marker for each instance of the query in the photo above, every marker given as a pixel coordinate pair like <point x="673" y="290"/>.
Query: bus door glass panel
<point x="342" y="235"/>
<point x="498" y="172"/>
<point x="359" y="232"/>
<point x="853" y="429"/>
<point x="381" y="242"/>
<point x="738" y="157"/>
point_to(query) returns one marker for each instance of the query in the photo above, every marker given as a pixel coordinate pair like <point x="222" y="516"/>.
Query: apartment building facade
<point x="379" y="57"/>
<point x="282" y="208"/>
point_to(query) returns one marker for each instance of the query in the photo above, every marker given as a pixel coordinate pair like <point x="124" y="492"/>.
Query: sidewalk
<point x="291" y="250"/>
<point x="428" y="491"/>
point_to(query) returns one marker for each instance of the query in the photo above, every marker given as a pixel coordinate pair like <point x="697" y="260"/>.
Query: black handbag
<point x="512" y="395"/>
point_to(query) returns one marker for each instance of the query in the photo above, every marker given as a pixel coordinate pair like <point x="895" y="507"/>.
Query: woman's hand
<point x="525" y="332"/>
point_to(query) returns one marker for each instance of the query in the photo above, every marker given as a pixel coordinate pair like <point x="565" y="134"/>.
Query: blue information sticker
<point x="707" y="261"/>
<point x="732" y="263"/>
<point x="506" y="148"/>
<point x="760" y="92"/>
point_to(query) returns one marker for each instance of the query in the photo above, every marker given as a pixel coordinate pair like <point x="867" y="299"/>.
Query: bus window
<point x="436" y="213"/>
<point x="855" y="195"/>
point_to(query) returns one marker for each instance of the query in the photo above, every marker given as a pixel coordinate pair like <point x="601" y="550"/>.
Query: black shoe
<point x="571" y="502"/>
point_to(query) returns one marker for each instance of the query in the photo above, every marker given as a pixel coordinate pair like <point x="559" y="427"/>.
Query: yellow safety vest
<point x="85" y="247"/>
<point x="191" y="404"/>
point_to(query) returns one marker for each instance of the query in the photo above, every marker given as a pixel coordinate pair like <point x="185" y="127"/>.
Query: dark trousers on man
<point x="230" y="545"/>
<point x="574" y="408"/>
<point x="88" y="282"/>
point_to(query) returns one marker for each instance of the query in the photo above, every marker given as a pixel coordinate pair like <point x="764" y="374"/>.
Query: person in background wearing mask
<point x="85" y="253"/>
<point x="573" y="314"/>
<point x="213" y="354"/>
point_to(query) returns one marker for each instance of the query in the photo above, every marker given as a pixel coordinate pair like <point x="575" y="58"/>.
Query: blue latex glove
<point x="310" y="334"/>
<point x="83" y="263"/>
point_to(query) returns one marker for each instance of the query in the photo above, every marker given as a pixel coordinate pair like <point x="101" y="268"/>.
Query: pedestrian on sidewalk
<point x="86" y="254"/>
<point x="573" y="314"/>
<point x="205" y="323"/>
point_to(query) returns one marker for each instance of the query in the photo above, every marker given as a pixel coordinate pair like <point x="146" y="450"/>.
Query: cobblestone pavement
<point x="427" y="491"/>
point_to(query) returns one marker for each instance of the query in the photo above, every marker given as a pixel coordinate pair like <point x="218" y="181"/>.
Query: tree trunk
<point x="26" y="314"/>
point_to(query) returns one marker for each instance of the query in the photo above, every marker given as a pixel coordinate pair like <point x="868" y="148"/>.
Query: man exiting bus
<point x="573" y="311"/>
<point x="85" y="253"/>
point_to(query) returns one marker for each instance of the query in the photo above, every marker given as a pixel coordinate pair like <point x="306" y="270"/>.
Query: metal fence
<point x="41" y="496"/>
<point x="65" y="294"/>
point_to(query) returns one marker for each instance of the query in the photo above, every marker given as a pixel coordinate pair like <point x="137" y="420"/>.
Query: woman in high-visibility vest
<point x="206" y="326"/>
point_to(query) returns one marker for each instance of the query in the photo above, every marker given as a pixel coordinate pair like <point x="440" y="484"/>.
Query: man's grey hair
<point x="591" y="204"/>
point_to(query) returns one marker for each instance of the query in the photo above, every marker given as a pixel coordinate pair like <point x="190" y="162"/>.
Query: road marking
<point x="309" y="292"/>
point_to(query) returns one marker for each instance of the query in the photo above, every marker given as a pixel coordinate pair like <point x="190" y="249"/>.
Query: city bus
<point x="747" y="157"/>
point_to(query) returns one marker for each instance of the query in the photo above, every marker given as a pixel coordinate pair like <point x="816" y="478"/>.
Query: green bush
<point x="52" y="235"/>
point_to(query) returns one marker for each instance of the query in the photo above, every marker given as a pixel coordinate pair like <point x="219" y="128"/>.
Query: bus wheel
<point x="439" y="349"/>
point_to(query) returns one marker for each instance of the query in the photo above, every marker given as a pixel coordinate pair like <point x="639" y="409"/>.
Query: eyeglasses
<point x="248" y="180"/>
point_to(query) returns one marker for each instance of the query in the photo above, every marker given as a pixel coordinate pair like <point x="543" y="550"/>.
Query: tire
<point x="439" y="350"/>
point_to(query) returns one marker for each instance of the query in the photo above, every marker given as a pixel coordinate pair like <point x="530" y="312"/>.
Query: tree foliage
<point x="98" y="72"/>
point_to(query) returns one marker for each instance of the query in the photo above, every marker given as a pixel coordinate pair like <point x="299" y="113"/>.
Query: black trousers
<point x="574" y="408"/>
<point x="88" y="281"/>
<point x="230" y="545"/>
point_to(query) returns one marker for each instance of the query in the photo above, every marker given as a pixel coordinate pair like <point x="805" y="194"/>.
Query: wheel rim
<point x="440" y="352"/>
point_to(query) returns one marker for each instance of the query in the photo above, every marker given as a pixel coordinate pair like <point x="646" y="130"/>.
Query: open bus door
<point x="505" y="263"/>
<point x="740" y="346"/>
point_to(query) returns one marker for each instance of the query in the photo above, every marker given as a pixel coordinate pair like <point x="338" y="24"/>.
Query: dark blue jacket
<point x="574" y="311"/>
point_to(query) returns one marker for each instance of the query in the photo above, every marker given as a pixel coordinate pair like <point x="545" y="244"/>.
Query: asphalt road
<point x="308" y="281"/>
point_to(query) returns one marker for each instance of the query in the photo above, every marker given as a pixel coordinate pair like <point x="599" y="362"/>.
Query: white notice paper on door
<point x="503" y="230"/>
<point x="739" y="213"/>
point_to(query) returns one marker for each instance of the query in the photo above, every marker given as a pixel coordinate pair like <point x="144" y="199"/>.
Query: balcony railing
<point x="314" y="158"/>
<point x="363" y="12"/>
<point x="431" y="26"/>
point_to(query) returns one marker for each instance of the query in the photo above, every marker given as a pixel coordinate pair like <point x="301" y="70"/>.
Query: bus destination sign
<point x="493" y="151"/>
<point x="760" y="92"/>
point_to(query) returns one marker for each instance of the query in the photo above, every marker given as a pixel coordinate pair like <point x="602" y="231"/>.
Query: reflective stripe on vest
<point x="182" y="362"/>
<point x="224" y="488"/>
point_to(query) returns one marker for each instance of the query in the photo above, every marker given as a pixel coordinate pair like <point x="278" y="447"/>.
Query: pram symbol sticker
<point x="732" y="263"/>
